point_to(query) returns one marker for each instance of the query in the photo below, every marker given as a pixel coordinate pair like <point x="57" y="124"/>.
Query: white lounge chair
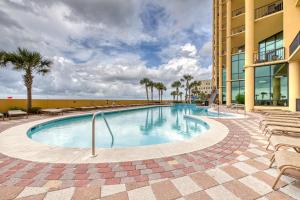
<point x="16" y="113"/>
<point x="53" y="111"/>
<point x="2" y="116"/>
<point x="287" y="162"/>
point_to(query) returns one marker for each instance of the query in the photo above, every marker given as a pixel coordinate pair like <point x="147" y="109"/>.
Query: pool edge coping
<point x="35" y="151"/>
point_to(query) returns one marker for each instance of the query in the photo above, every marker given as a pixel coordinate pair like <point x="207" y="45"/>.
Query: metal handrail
<point x="294" y="45"/>
<point x="238" y="12"/>
<point x="238" y="29"/>
<point x="268" y="56"/>
<point x="271" y="8"/>
<point x="93" y="131"/>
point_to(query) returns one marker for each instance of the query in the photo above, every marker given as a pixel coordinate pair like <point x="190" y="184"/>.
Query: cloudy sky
<point x="102" y="48"/>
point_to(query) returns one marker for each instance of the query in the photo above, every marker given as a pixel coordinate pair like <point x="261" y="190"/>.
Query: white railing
<point x="94" y="131"/>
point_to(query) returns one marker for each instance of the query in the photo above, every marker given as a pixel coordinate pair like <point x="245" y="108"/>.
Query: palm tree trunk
<point x="28" y="83"/>
<point x="186" y="90"/>
<point x="151" y="93"/>
<point x="177" y="91"/>
<point x="29" y="99"/>
<point x="147" y="93"/>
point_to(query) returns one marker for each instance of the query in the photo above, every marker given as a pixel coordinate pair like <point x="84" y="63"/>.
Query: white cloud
<point x="83" y="39"/>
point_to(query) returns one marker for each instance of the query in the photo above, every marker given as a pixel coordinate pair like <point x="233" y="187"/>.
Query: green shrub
<point x="35" y="110"/>
<point x="240" y="98"/>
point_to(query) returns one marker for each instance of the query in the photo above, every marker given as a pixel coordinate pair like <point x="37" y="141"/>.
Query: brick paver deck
<point x="235" y="168"/>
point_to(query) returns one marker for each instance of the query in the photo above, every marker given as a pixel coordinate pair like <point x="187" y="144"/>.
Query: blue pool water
<point x="137" y="127"/>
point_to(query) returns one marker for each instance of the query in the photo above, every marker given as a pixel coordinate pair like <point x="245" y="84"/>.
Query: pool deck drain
<point x="207" y="173"/>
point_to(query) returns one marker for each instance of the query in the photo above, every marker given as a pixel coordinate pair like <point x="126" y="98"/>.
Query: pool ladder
<point x="93" y="131"/>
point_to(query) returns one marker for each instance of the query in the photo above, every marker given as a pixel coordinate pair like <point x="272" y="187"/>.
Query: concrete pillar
<point x="220" y="50"/>
<point x="228" y="53"/>
<point x="276" y="90"/>
<point x="294" y="84"/>
<point x="216" y="42"/>
<point x="213" y="45"/>
<point x="249" y="50"/>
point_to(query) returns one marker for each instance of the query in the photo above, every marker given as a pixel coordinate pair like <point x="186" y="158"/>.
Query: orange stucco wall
<point x="6" y="104"/>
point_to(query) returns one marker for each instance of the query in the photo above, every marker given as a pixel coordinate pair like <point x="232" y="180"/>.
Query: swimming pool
<point x="135" y="127"/>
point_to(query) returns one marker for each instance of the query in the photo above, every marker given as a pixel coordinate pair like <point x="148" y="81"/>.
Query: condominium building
<point x="205" y="86"/>
<point x="256" y="52"/>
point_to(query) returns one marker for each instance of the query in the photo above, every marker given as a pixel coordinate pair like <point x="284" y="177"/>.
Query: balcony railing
<point x="237" y="50"/>
<point x="268" y="56"/>
<point x="271" y="8"/>
<point x="238" y="12"/>
<point x="295" y="44"/>
<point x="238" y="29"/>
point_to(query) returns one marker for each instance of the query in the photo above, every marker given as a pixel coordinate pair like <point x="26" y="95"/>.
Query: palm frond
<point x="3" y="58"/>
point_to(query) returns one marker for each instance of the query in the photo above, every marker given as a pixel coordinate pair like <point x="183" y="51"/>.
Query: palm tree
<point x="173" y="93"/>
<point x="151" y="85"/>
<point x="3" y="58"/>
<point x="187" y="78"/>
<point x="180" y="94"/>
<point x="160" y="87"/>
<point x="162" y="91"/>
<point x="193" y="88"/>
<point x="30" y="63"/>
<point x="176" y="85"/>
<point x="145" y="81"/>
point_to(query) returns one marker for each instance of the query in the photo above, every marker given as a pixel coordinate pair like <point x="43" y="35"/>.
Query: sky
<point x="102" y="48"/>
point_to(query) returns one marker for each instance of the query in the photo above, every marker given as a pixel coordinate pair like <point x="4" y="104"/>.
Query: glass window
<point x="262" y="71"/>
<point x="271" y="85"/>
<point x="235" y="57"/>
<point x="235" y="67"/>
<point x="237" y="77"/>
<point x="271" y="48"/>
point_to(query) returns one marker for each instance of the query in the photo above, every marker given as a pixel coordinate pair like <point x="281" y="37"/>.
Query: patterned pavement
<point x="235" y="168"/>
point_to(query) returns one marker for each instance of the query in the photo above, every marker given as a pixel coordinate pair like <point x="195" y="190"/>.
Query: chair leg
<point x="272" y="158"/>
<point x="277" y="179"/>
<point x="272" y="161"/>
<point x="268" y="145"/>
<point x="297" y="149"/>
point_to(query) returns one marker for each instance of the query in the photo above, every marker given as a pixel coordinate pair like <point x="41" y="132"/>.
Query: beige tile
<point x="278" y="195"/>
<point x="186" y="185"/>
<point x="28" y="191"/>
<point x="233" y="171"/>
<point x="203" y="180"/>
<point x="118" y="196"/>
<point x="53" y="184"/>
<point x="112" y="189"/>
<point x="219" y="175"/>
<point x="220" y="193"/>
<point x="86" y="193"/>
<point x="65" y="194"/>
<point x="241" y="190"/>
<point x="143" y="193"/>
<point x="135" y="185"/>
<point x="202" y="195"/>
<point x="165" y="190"/>
<point x="256" y="185"/>
<point x="256" y="164"/>
<point x="10" y="192"/>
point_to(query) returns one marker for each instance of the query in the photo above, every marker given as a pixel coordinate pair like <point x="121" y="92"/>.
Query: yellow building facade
<point x="256" y="53"/>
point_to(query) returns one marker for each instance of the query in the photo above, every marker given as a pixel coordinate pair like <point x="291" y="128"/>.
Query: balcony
<point x="269" y="56"/>
<point x="295" y="44"/>
<point x="271" y="8"/>
<point x="238" y="29"/>
<point x="238" y="12"/>
<point x="238" y="50"/>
